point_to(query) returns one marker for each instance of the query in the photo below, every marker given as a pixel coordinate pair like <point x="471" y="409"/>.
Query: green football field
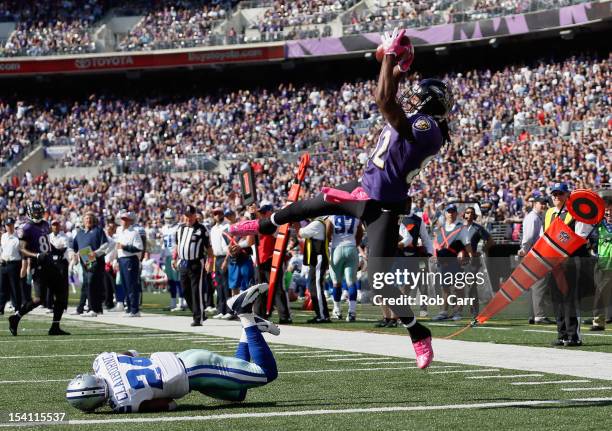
<point x="505" y="329"/>
<point x="317" y="388"/>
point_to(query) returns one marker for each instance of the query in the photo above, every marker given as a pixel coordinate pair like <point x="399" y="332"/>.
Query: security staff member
<point x="532" y="226"/>
<point x="264" y="251"/>
<point x="59" y="255"/>
<point x="92" y="238"/>
<point x="316" y="256"/>
<point x="564" y="280"/>
<point x="10" y="259"/>
<point x="192" y="247"/>
<point x="603" y="268"/>
<point x="129" y="248"/>
<point x="220" y="244"/>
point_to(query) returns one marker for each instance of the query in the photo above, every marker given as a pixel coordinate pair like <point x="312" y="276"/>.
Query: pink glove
<point x="392" y="43"/>
<point x="339" y="196"/>
<point x="407" y="58"/>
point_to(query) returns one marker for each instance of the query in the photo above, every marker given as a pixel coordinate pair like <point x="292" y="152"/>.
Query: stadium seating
<point x="499" y="148"/>
<point x="51" y="27"/>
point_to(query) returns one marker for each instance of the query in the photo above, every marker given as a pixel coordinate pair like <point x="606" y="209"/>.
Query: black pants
<point x="316" y="287"/>
<point x="223" y="292"/>
<point x="109" y="289"/>
<point x="45" y="277"/>
<point x="192" y="276"/>
<point x="10" y="285"/>
<point x="565" y="304"/>
<point x="210" y="292"/>
<point x="381" y="220"/>
<point x="280" y="300"/>
<point x="92" y="290"/>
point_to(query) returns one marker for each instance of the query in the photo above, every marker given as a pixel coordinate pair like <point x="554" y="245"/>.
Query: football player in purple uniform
<point x="34" y="244"/>
<point x="416" y="129"/>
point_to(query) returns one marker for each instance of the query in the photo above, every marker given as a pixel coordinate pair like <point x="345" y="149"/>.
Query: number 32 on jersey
<point x="381" y="149"/>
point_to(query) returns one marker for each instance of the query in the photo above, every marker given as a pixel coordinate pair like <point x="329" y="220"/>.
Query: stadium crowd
<point x="554" y="107"/>
<point x="179" y="24"/>
<point x="51" y="27"/>
<point x="387" y="15"/>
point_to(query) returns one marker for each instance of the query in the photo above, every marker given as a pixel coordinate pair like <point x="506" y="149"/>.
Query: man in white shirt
<point x="129" y="248"/>
<point x="220" y="244"/>
<point x="532" y="226"/>
<point x="60" y="254"/>
<point x="10" y="260"/>
<point x="316" y="249"/>
<point x="111" y="268"/>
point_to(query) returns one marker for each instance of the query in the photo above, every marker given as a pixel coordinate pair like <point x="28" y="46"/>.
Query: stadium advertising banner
<point x="127" y="61"/>
<point x="578" y="14"/>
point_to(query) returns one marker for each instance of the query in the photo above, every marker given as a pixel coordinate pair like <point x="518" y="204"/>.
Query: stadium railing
<point x="521" y="7"/>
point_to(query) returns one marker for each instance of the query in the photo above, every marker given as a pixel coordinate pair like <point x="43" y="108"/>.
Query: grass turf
<point x="379" y="387"/>
<point x="505" y="329"/>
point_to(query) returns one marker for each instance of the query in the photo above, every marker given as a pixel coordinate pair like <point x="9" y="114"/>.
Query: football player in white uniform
<point x="130" y="383"/>
<point x="168" y="234"/>
<point x="344" y="233"/>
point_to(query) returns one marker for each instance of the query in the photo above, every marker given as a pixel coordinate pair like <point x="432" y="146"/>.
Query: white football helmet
<point x="87" y="392"/>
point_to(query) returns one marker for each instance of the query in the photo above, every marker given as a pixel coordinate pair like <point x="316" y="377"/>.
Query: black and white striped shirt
<point x="192" y="241"/>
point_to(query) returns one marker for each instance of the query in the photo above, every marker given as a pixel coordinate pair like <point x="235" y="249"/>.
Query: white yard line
<point x="289" y="413"/>
<point x="494" y="328"/>
<point x="599" y="388"/>
<point x="573" y="363"/>
<point x="357" y="359"/>
<point x="335" y="355"/>
<point x="464" y="371"/>
<point x="549" y="382"/>
<point x="338" y="370"/>
<point x="542" y="331"/>
<point x="505" y="376"/>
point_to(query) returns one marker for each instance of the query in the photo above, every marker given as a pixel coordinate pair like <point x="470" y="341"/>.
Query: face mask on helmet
<point x="36" y="212"/>
<point x="430" y="96"/>
<point x="87" y="392"/>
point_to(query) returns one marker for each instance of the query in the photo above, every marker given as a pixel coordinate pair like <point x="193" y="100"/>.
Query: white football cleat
<point x="243" y="302"/>
<point x="266" y="326"/>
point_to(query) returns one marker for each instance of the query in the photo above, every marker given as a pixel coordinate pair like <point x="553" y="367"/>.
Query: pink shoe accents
<point x="338" y="196"/>
<point x="244" y="228"/>
<point x="424" y="352"/>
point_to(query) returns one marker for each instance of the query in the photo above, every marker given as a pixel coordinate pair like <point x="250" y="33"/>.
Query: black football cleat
<point x="196" y="323"/>
<point x="13" y="324"/>
<point x="572" y="343"/>
<point x="56" y="330"/>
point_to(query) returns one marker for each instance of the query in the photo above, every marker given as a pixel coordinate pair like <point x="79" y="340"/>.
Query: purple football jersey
<point x="396" y="160"/>
<point x="36" y="236"/>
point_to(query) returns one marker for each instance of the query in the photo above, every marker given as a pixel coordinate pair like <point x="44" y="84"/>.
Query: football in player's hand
<point x="380" y="51"/>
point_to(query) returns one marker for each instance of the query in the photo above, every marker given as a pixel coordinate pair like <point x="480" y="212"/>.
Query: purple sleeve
<point x="426" y="131"/>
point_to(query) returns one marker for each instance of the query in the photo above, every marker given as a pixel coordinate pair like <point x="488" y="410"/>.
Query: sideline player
<point x="130" y="383"/>
<point x="168" y="234"/>
<point x="415" y="131"/>
<point x="344" y="232"/>
<point x="34" y="244"/>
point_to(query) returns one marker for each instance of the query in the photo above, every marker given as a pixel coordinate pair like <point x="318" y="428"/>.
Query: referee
<point x="192" y="248"/>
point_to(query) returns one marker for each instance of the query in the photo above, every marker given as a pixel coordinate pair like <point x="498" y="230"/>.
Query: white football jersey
<point x="168" y="234"/>
<point x="344" y="230"/>
<point x="132" y="380"/>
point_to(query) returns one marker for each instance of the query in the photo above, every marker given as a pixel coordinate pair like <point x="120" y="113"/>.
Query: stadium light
<point x="566" y="34"/>
<point x="441" y="50"/>
<point x="494" y="42"/>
